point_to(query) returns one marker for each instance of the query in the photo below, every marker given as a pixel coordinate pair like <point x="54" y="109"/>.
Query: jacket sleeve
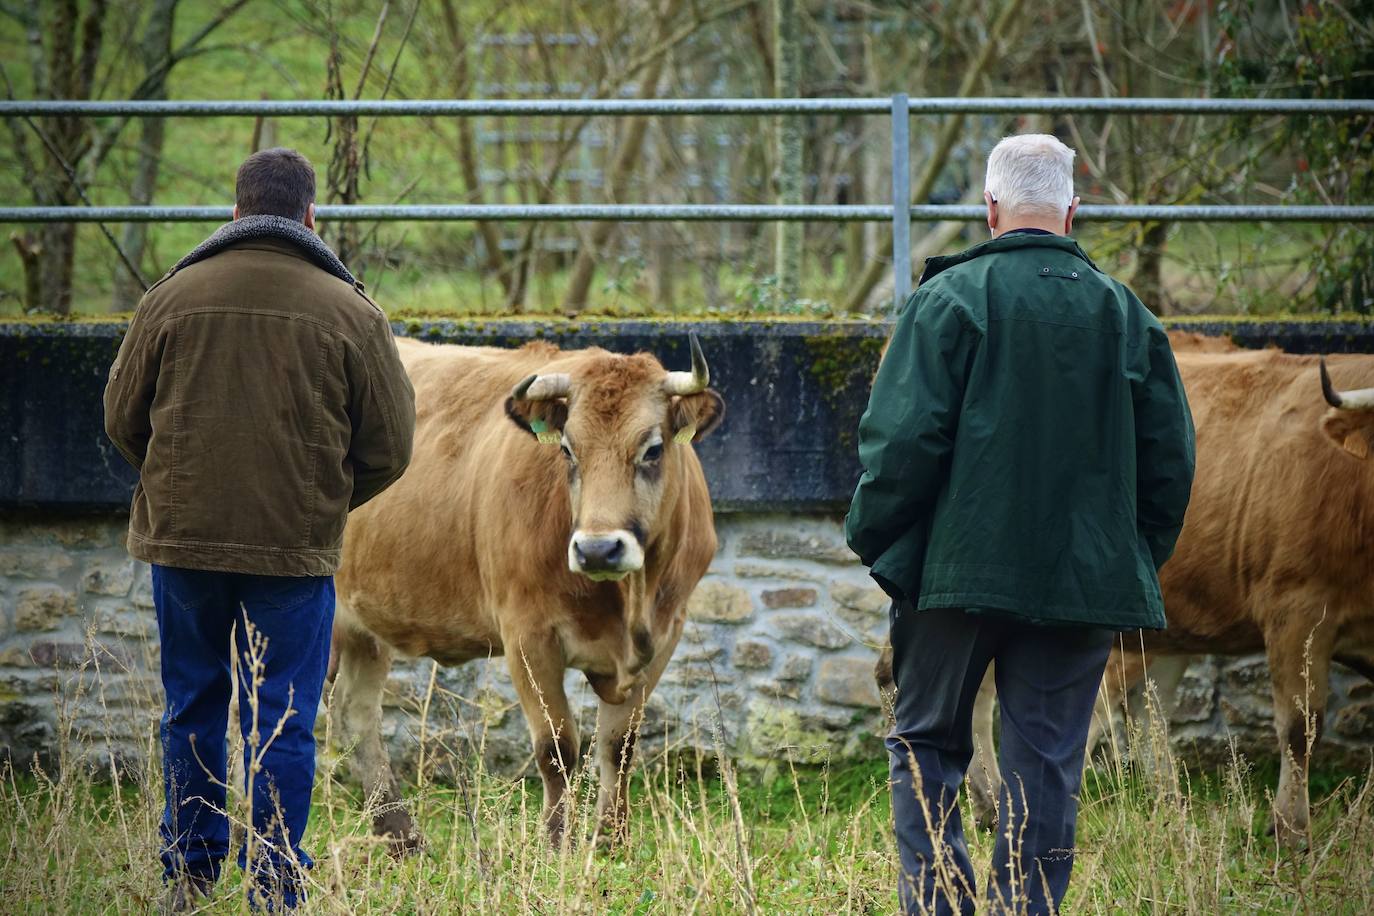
<point x="907" y="433"/>
<point x="382" y="414"/>
<point x="1165" y="450"/>
<point x="129" y="392"/>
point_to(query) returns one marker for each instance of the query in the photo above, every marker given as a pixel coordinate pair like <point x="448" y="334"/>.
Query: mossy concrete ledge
<point x="794" y="392"/>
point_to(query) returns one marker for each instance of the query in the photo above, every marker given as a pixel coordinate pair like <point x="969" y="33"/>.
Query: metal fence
<point x="899" y="108"/>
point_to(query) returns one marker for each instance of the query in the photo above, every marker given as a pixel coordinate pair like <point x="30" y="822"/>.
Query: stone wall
<point x="776" y="661"/>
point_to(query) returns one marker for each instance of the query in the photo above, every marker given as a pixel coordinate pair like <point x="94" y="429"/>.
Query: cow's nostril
<point x="599" y="553"/>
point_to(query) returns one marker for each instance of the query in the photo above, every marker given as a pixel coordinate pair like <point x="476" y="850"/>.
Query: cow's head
<point x="623" y="424"/>
<point x="1350" y="421"/>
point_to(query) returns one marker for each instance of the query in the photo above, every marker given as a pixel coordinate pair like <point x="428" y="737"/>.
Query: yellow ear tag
<point x="545" y="435"/>
<point x="685" y="435"/>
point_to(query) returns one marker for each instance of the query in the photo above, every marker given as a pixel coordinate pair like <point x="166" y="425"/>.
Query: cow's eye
<point x="567" y="452"/>
<point x="652" y="454"/>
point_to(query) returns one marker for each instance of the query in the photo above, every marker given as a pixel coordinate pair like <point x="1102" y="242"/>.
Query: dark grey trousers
<point x="1047" y="680"/>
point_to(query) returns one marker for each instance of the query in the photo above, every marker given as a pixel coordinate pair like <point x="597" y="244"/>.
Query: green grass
<point x="779" y="840"/>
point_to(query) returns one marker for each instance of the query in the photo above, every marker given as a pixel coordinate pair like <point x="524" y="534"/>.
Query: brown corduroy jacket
<point x="260" y="396"/>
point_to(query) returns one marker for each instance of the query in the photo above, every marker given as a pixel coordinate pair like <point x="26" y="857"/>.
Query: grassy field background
<point x="706" y="837"/>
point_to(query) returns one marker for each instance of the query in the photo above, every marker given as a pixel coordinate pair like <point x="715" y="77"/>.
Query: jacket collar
<point x="274" y="228"/>
<point x="1012" y="242"/>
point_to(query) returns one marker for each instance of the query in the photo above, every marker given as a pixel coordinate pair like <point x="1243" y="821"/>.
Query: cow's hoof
<point x="983" y="800"/>
<point x="1286" y="837"/>
<point x="399" y="830"/>
<point x="612" y="834"/>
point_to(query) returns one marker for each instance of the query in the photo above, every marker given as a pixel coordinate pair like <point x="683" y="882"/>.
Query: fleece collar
<point x="1008" y="242"/>
<point x="251" y="228"/>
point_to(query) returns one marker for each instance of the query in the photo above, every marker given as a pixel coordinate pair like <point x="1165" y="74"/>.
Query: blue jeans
<point x="196" y="613"/>
<point x="1047" y="680"/>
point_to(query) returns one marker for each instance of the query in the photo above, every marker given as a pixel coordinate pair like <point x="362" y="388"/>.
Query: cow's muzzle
<point x="605" y="555"/>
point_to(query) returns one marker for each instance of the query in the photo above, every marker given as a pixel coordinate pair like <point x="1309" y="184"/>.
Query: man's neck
<point x="1042" y="225"/>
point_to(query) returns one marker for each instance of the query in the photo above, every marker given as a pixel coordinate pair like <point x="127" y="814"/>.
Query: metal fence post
<point x="901" y="199"/>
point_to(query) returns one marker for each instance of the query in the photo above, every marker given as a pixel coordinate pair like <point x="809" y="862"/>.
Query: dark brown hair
<point x="277" y="182"/>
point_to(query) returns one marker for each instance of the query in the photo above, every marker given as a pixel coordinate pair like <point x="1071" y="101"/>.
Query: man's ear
<point x="1068" y="217"/>
<point x="236" y="211"/>
<point x="992" y="212"/>
<point x="1352" y="431"/>
<point x="696" y="416"/>
<point x="310" y="217"/>
<point x="542" y="419"/>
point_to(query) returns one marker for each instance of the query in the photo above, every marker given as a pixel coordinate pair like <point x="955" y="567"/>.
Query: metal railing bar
<point x="441" y="107"/>
<point x="689" y="213"/>
<point x="901" y="199"/>
<point x="535" y="107"/>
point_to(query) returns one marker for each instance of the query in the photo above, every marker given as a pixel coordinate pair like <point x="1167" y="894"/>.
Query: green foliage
<point x="280" y="48"/>
<point x="1325" y="52"/>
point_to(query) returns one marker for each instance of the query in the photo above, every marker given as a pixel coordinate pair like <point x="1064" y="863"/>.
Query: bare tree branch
<point x="626" y="160"/>
<point x="103" y="140"/>
<point x="467" y="153"/>
<point x="391" y="75"/>
<point x="949" y="132"/>
<point x="91" y="34"/>
<point x="81" y="192"/>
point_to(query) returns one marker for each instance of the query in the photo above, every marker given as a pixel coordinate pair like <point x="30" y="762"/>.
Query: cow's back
<point x="1273" y="503"/>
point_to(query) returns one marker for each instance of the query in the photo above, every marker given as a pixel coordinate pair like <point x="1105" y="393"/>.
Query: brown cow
<point x="1277" y="551"/>
<point x="555" y="513"/>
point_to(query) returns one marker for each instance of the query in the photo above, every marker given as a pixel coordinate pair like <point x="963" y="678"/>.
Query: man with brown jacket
<point x="260" y="396"/>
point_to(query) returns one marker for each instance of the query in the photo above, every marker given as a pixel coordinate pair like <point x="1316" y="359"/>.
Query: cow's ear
<point x="542" y="419"/>
<point x="1351" y="430"/>
<point x="696" y="415"/>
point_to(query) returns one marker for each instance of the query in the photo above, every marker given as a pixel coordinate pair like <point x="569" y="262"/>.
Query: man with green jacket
<point x="1028" y="457"/>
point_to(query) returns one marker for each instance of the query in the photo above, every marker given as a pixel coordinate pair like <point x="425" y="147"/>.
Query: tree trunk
<point x="67" y="73"/>
<point x="627" y="157"/>
<point x="1147" y="280"/>
<point x="494" y="259"/>
<point x="788" y="236"/>
<point x="858" y="235"/>
<point x="663" y="244"/>
<point x="156" y="50"/>
<point x="949" y="132"/>
<point x="24" y="244"/>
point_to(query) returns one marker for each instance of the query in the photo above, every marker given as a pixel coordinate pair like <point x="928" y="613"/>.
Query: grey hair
<point x="1031" y="175"/>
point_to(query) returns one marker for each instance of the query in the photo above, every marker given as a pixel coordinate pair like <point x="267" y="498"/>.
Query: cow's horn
<point x="543" y="387"/>
<point x="1360" y="399"/>
<point x="692" y="382"/>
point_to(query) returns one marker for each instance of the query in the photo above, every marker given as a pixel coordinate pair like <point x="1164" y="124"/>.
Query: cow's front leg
<point x="1125" y="668"/>
<point x="1299" y="668"/>
<point x="617" y="730"/>
<point x="356" y="712"/>
<point x="1163" y="675"/>
<point x="984" y="775"/>
<point x="536" y="667"/>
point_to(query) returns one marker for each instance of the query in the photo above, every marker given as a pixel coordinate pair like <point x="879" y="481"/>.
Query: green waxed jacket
<point x="1028" y="446"/>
